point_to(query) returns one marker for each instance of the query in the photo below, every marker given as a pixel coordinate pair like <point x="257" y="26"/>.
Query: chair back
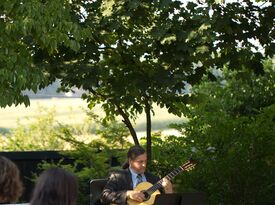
<point x="96" y="188"/>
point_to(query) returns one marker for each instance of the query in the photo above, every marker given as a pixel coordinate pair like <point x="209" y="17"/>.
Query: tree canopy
<point x="129" y="54"/>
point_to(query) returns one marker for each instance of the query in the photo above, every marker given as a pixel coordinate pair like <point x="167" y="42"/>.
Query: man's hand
<point x="135" y="195"/>
<point x="167" y="185"/>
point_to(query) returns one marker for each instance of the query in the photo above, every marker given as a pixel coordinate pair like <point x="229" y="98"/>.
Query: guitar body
<point x="152" y="190"/>
<point x="142" y="187"/>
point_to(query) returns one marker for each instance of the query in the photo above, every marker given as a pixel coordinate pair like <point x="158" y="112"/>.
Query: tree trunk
<point x="125" y="120"/>
<point x="148" y="130"/>
<point x="128" y="124"/>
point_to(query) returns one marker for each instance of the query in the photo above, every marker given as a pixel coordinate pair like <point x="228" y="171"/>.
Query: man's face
<point x="139" y="164"/>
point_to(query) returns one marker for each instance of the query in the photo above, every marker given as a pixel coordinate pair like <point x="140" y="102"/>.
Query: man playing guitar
<point x="121" y="187"/>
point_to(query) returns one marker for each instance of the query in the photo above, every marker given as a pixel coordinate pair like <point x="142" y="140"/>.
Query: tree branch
<point x="125" y="120"/>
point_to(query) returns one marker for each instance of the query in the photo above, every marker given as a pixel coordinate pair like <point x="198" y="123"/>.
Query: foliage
<point x="93" y="154"/>
<point x="40" y="135"/>
<point x="130" y="54"/>
<point x="115" y="134"/>
<point x="25" y="26"/>
<point x="152" y="57"/>
<point x="231" y="134"/>
<point x="96" y="158"/>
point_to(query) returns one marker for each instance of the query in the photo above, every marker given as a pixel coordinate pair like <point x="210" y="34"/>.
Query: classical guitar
<point x="150" y="191"/>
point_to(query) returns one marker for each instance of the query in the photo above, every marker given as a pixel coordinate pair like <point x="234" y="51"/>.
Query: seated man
<point x="121" y="184"/>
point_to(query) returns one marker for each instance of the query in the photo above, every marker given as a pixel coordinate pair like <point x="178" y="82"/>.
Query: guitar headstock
<point x="188" y="165"/>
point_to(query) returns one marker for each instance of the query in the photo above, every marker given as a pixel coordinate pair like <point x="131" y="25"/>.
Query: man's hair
<point x="135" y="151"/>
<point x="10" y="184"/>
<point x="132" y="154"/>
<point x="55" y="186"/>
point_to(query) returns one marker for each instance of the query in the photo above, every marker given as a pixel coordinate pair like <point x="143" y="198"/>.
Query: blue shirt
<point x="134" y="177"/>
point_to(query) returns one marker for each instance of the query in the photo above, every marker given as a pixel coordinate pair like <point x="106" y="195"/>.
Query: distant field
<point x="71" y="111"/>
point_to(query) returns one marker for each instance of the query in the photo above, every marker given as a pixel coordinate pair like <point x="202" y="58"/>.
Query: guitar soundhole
<point x="147" y="196"/>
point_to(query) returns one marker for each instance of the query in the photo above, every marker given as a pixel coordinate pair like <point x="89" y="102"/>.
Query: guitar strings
<point x="169" y="176"/>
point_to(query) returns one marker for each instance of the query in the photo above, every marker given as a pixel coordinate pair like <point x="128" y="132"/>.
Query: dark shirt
<point x="118" y="184"/>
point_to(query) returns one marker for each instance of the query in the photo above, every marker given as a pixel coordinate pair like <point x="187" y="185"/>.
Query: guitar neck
<point x="170" y="176"/>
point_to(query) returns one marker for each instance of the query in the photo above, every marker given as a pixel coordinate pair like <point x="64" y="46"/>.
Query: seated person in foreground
<point x="55" y="186"/>
<point x="10" y="184"/>
<point x="120" y="185"/>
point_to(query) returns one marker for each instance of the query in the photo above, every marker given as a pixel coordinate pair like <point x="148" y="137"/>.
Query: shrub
<point x="231" y="133"/>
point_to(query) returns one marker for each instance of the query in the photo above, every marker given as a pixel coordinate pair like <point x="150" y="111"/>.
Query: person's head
<point x="55" y="186"/>
<point x="10" y="184"/>
<point x="137" y="159"/>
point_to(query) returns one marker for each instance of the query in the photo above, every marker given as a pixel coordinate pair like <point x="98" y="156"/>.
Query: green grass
<point x="72" y="111"/>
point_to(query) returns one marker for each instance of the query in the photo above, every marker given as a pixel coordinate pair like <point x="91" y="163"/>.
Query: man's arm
<point x="112" y="192"/>
<point x="167" y="186"/>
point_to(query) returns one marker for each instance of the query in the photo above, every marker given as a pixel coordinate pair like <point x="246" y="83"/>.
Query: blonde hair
<point x="10" y="184"/>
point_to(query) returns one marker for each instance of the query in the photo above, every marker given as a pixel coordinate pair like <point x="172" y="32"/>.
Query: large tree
<point x="135" y="53"/>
